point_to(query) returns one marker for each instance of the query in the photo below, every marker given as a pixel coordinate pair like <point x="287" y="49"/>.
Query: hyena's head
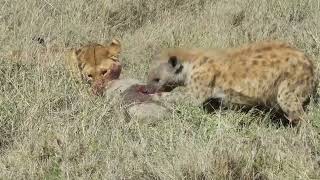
<point x="99" y="64"/>
<point x="168" y="72"/>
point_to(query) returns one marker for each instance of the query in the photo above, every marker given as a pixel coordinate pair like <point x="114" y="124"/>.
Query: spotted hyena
<point x="272" y="74"/>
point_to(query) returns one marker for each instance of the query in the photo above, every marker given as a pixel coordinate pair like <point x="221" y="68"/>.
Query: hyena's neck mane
<point x="185" y="55"/>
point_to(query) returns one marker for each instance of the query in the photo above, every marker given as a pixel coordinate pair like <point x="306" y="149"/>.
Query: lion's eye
<point x="89" y="76"/>
<point x="105" y="72"/>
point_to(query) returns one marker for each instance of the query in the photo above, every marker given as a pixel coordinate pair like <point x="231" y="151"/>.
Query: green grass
<point x="52" y="128"/>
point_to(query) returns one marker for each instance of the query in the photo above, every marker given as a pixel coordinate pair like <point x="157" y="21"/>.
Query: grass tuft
<point x="52" y="128"/>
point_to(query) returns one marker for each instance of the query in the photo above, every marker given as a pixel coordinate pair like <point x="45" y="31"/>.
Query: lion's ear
<point x="72" y="61"/>
<point x="115" y="47"/>
<point x="77" y="51"/>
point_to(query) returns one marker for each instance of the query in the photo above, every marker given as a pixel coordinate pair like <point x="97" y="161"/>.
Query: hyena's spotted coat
<point x="269" y="73"/>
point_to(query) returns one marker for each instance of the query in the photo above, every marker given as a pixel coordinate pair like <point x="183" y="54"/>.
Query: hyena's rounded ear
<point x="115" y="47"/>
<point x="173" y="61"/>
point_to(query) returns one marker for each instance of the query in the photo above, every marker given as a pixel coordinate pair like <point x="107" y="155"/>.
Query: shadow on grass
<point x="277" y="116"/>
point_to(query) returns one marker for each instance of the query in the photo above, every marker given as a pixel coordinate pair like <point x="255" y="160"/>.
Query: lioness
<point x="96" y="64"/>
<point x="99" y="66"/>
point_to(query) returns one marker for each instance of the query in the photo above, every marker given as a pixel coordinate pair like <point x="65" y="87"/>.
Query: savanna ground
<point x="53" y="128"/>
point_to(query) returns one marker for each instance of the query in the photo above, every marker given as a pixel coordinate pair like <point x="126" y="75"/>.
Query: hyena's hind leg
<point x="291" y="100"/>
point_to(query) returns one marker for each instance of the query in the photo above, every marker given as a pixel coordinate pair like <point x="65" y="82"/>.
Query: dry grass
<point x="51" y="128"/>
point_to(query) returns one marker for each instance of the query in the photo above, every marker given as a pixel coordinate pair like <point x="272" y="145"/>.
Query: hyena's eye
<point x="156" y="80"/>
